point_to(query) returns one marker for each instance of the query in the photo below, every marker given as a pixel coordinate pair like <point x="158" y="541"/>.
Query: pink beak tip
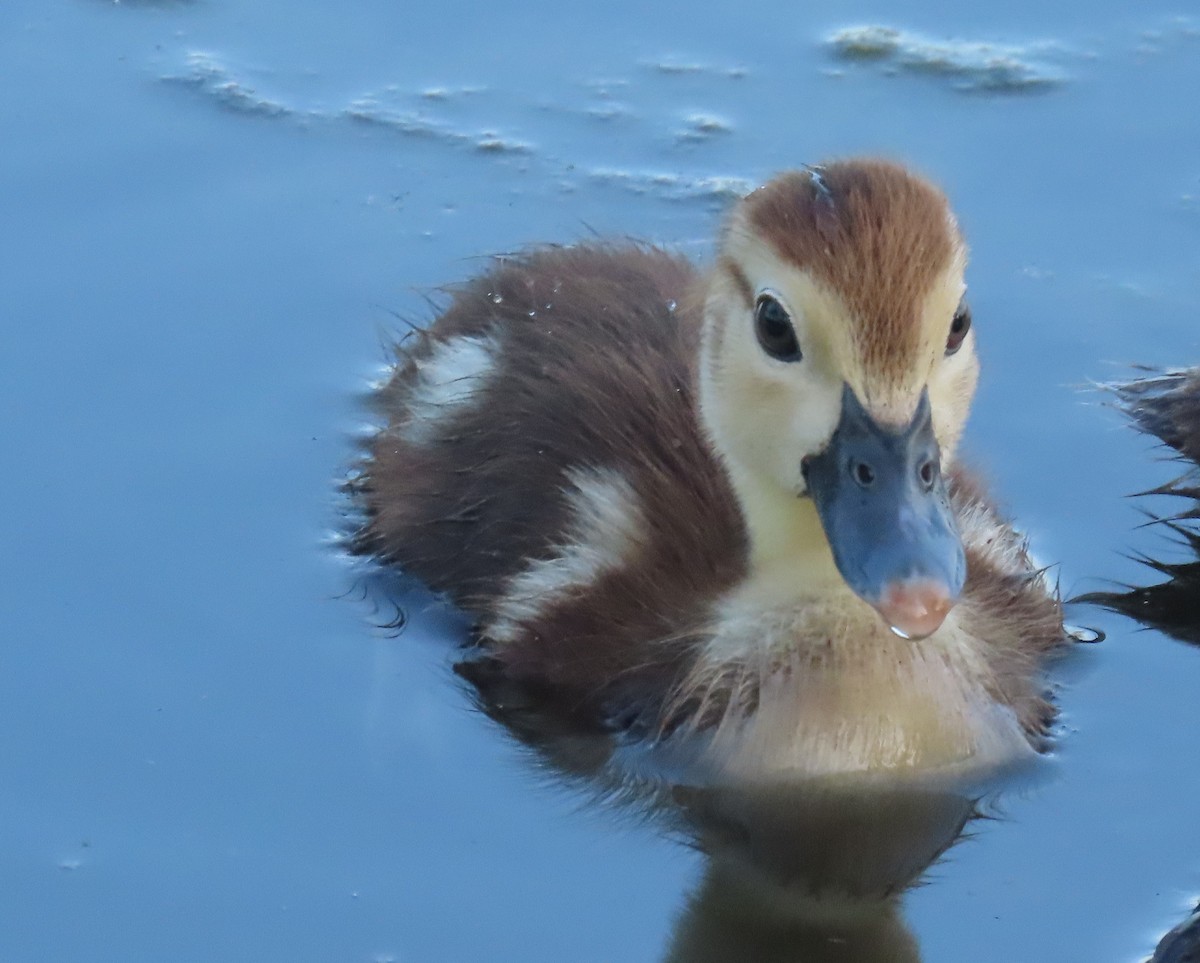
<point x="915" y="610"/>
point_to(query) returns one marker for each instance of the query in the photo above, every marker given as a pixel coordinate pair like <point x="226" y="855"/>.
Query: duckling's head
<point x="837" y="370"/>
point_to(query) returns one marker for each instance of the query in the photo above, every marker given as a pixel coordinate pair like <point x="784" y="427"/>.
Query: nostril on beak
<point x="862" y="473"/>
<point x="927" y="473"/>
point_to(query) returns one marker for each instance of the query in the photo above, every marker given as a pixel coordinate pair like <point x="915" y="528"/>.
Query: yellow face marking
<point x="877" y="322"/>
<point x="876" y="240"/>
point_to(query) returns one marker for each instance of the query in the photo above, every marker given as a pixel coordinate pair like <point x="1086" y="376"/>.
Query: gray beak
<point x="884" y="508"/>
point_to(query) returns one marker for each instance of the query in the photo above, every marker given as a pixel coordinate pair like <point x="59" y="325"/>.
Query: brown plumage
<point x="546" y="465"/>
<point x="599" y="348"/>
<point x="881" y="238"/>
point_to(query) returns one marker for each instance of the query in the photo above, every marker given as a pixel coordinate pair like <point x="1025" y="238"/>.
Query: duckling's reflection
<point x="1167" y="406"/>
<point x="805" y="873"/>
<point x="800" y="872"/>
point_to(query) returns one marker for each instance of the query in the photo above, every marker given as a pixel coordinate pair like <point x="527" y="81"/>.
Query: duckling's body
<point x="557" y="461"/>
<point x="567" y="497"/>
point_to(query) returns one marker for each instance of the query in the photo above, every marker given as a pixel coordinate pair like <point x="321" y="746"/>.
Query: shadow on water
<point x="1166" y="405"/>
<point x="811" y="870"/>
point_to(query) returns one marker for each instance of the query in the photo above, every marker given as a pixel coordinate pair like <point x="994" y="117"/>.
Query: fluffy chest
<point x="822" y="687"/>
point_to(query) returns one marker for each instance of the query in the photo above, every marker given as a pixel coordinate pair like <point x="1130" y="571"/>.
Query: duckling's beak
<point x="887" y="517"/>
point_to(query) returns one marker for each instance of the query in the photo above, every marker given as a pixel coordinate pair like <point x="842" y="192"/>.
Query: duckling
<point x="721" y="507"/>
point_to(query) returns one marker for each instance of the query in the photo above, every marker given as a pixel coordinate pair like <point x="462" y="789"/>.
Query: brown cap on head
<point x="875" y="234"/>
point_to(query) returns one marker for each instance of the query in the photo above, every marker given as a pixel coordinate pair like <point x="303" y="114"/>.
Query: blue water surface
<point x="215" y="213"/>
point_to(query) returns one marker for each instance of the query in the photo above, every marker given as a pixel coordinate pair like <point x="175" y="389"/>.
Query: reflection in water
<point x="804" y="872"/>
<point x="1167" y="406"/>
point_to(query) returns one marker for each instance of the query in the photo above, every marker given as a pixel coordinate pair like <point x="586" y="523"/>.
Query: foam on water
<point x="971" y="65"/>
<point x="423" y="114"/>
<point x="206" y="73"/>
<point x="676" y="187"/>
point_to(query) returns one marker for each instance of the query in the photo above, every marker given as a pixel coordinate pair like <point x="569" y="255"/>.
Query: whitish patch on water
<point x="606" y="86"/>
<point x="676" y="65"/>
<point x="970" y="65"/>
<point x="606" y="100"/>
<point x="416" y="123"/>
<point x="676" y="187"/>
<point x="1139" y="288"/>
<point x="450" y="93"/>
<point x="1036" y="273"/>
<point x="1170" y="35"/>
<point x="609" y="111"/>
<point x="422" y="113"/>
<point x="208" y="74"/>
<point x="205" y="72"/>
<point x="700" y="127"/>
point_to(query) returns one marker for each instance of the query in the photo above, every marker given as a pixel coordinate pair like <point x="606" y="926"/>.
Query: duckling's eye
<point x="774" y="330"/>
<point x="958" y="329"/>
